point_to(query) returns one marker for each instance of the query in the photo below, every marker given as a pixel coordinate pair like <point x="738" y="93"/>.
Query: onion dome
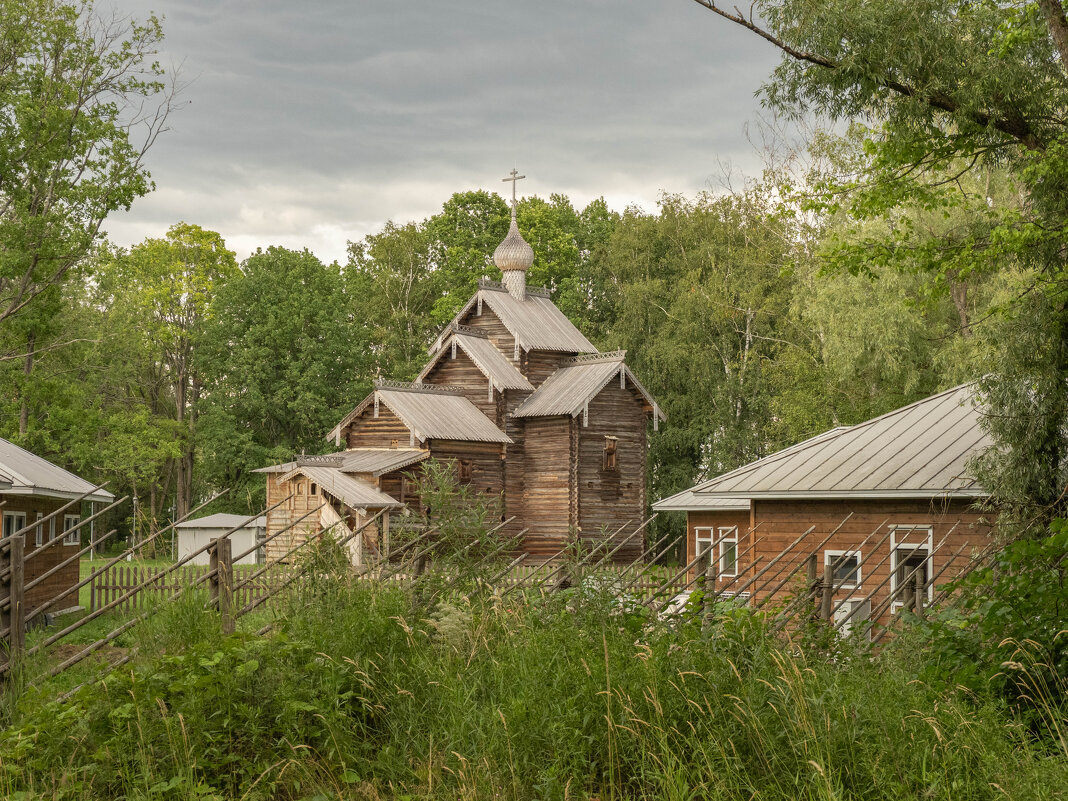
<point x="513" y="253"/>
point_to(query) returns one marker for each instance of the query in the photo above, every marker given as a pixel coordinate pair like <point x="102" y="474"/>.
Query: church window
<point x="610" y="453"/>
<point x="300" y="488"/>
<point x="314" y="488"/>
<point x="393" y="443"/>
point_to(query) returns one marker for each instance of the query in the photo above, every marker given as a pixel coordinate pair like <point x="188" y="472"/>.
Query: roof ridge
<point x="593" y="358"/>
<point x="414" y="386"/>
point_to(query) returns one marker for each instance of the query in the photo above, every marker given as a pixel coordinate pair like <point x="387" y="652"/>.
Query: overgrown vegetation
<point x="564" y="696"/>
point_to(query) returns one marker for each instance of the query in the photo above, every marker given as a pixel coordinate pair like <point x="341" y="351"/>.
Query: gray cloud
<point x="311" y="123"/>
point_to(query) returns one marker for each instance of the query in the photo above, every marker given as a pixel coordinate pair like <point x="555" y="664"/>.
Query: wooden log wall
<point x="609" y="498"/>
<point x="780" y="522"/>
<point x="279" y="518"/>
<point x="487" y="466"/>
<point x="546" y="484"/>
<point x="54" y="585"/>
<point x="537" y="365"/>
<point x="723" y="519"/>
<point x="368" y="431"/>
<point x="515" y="460"/>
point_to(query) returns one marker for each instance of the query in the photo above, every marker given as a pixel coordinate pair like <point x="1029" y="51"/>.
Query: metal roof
<point x="348" y="489"/>
<point x="689" y="501"/>
<point x="534" y="321"/>
<point x="692" y="499"/>
<point x="31" y="475"/>
<point x="224" y="521"/>
<point x="491" y="362"/>
<point x="577" y="382"/>
<point x="429" y="411"/>
<point x="918" y="451"/>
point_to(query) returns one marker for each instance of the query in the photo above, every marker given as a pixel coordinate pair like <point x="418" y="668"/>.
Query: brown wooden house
<point x="525" y="407"/>
<point x="882" y="501"/>
<point x="31" y="488"/>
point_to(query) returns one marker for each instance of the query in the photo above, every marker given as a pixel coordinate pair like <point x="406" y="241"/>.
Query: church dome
<point x="513" y="253"/>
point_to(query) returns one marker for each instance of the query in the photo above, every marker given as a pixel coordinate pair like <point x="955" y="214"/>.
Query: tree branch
<point x="1015" y="127"/>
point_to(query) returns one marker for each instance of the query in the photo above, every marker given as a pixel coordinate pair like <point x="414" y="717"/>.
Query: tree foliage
<point x="83" y="102"/>
<point x="279" y="363"/>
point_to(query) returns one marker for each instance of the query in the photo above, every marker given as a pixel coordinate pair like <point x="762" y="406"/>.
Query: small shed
<point x="194" y="534"/>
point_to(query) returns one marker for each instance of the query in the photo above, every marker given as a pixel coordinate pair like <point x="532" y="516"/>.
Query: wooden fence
<point x="118" y="580"/>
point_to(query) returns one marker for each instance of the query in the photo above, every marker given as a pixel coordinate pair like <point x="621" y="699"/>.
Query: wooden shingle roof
<point x="534" y="321"/>
<point x="429" y="412"/>
<point x="577" y="382"/>
<point x="490" y="361"/>
<point x="348" y="489"/>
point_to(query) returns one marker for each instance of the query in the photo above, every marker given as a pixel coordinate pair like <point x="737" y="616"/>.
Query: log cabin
<point x="520" y="401"/>
<point x="879" y="502"/>
<point x="32" y="488"/>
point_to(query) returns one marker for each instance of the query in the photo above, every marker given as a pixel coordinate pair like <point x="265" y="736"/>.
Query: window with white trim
<point x="728" y="550"/>
<point x="38" y="532"/>
<point x="13" y="521"/>
<point x="705" y="536"/>
<point x="69" y="523"/>
<point x="910" y="561"/>
<point x="845" y="568"/>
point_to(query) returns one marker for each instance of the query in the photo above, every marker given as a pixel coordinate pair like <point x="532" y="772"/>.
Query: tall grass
<point x="360" y="694"/>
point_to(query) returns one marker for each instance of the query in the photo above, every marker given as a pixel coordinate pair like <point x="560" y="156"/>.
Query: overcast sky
<point x="311" y="123"/>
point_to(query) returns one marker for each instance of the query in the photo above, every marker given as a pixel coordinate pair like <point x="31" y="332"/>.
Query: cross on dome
<point x="514" y="256"/>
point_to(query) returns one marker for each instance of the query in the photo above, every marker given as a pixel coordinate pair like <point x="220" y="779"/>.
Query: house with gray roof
<point x="33" y="488"/>
<point x="519" y="401"/>
<point x="881" y="504"/>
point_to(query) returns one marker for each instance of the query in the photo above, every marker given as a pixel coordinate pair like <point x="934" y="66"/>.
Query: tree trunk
<point x="27" y="370"/>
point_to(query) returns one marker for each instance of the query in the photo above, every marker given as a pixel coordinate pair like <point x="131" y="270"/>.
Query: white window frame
<point x="38" y="532"/>
<point x="700" y="539"/>
<point x="14" y="526"/>
<point x="897" y="548"/>
<point x="728" y="535"/>
<point x="830" y="555"/>
<point x="76" y="537"/>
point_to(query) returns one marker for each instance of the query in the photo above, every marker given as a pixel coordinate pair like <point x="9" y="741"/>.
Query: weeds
<point x="355" y="695"/>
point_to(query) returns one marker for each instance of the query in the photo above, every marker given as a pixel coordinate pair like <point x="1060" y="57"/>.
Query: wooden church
<point x="518" y="400"/>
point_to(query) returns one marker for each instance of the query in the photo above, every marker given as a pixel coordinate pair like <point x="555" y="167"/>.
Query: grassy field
<point x="363" y="692"/>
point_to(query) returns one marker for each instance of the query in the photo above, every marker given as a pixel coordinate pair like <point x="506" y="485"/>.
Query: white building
<point x="194" y="534"/>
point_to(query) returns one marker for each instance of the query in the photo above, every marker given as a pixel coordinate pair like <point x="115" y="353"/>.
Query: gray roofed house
<point x="30" y="474"/>
<point x="887" y="507"/>
<point x="516" y="405"/>
<point x="918" y="451"/>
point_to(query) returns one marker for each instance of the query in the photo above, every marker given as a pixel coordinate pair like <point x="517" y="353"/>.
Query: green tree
<point x="280" y="366"/>
<point x="695" y="295"/>
<point x="83" y="102"/>
<point x="164" y="288"/>
<point x="951" y="86"/>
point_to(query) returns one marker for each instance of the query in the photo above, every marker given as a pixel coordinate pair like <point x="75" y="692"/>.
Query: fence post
<point x="709" y="587"/>
<point x="12" y="561"/>
<point x="221" y="580"/>
<point x="918" y="599"/>
<point x="828" y="590"/>
<point x="226" y="585"/>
